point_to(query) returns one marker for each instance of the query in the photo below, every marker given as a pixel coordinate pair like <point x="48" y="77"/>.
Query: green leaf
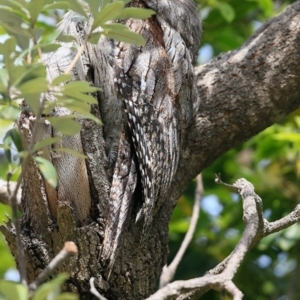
<point x="266" y="6"/>
<point x="81" y="108"/>
<point x="16" y="138"/>
<point x="18" y="6"/>
<point x="180" y="226"/>
<point x="66" y="296"/>
<point x="83" y="97"/>
<point x="16" y="75"/>
<point x="94" y="37"/>
<point x="71" y="151"/>
<point x="46" y="142"/>
<point x="34" y="86"/>
<point x="94" y="6"/>
<point x="9" y="112"/>
<point x="287" y="136"/>
<point x="49" y="106"/>
<point x="80" y="87"/>
<point x="36" y="32"/>
<point x="28" y="73"/>
<point x="60" y="79"/>
<point x="7" y="50"/>
<point x="7" y="16"/>
<point x="286" y="244"/>
<point x="46" y="48"/>
<point x="35" y="7"/>
<point x="74" y="103"/>
<point x="13" y="290"/>
<point x="66" y="38"/>
<point x="107" y="13"/>
<point x="7" y="141"/>
<point x="226" y="11"/>
<point x="65" y="125"/>
<point x="47" y="169"/>
<point x="4" y="79"/>
<point x="57" y="5"/>
<point x="52" y="287"/>
<point x="34" y="102"/>
<point x="77" y="7"/>
<point x="13" y="20"/>
<point x="12" y="136"/>
<point x="136" y="13"/>
<point x="88" y="115"/>
<point x="21" y="35"/>
<point x="105" y="2"/>
<point x="120" y="32"/>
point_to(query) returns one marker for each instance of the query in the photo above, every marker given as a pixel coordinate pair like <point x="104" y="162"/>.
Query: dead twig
<point x="94" y="291"/>
<point x="220" y="278"/>
<point x="68" y="250"/>
<point x="169" y="271"/>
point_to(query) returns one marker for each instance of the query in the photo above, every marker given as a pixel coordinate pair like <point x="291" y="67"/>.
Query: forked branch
<point x="220" y="278"/>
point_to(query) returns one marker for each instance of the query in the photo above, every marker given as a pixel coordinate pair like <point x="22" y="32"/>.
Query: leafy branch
<point x="23" y="78"/>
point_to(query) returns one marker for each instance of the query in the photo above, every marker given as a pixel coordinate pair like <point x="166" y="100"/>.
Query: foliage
<point x="47" y="291"/>
<point x="23" y="76"/>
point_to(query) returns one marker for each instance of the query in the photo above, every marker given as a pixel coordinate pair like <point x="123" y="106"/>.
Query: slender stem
<point x="94" y="291"/>
<point x="79" y="52"/>
<point x="14" y="205"/>
<point x="39" y="50"/>
<point x="169" y="271"/>
<point x="69" y="249"/>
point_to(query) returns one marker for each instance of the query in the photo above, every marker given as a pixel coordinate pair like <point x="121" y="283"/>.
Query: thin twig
<point x="94" y="291"/>
<point x="285" y="222"/>
<point x="169" y="271"/>
<point x="14" y="206"/>
<point x="219" y="181"/>
<point x="68" y="250"/>
<point x="77" y="56"/>
<point x="252" y="216"/>
<point x="221" y="277"/>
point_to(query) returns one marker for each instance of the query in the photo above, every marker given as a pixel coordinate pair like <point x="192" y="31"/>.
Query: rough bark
<point x="241" y="93"/>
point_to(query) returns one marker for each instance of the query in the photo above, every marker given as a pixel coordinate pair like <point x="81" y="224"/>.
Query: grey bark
<point x="241" y="93"/>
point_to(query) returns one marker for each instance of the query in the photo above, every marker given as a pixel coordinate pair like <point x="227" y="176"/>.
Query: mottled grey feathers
<point x="154" y="84"/>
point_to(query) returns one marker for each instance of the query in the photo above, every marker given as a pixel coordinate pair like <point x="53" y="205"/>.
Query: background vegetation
<point x="270" y="161"/>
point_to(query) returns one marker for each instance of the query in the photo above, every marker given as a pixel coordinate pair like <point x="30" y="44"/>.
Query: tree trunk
<point x="241" y="93"/>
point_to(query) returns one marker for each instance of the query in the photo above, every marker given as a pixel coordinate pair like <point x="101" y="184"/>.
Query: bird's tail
<point x="123" y="187"/>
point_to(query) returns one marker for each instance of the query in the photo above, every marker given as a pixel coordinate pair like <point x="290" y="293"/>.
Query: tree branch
<point x="69" y="249"/>
<point x="169" y="271"/>
<point x="94" y="290"/>
<point x="285" y="222"/>
<point x="242" y="92"/>
<point x="220" y="278"/>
